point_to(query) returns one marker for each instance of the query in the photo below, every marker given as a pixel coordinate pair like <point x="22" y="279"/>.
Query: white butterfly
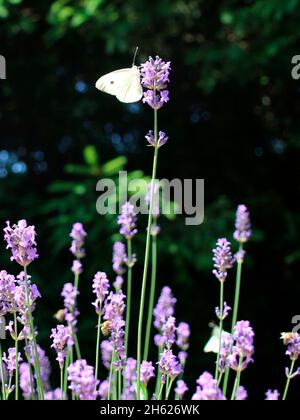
<point x="124" y="84"/>
<point x="213" y="344"/>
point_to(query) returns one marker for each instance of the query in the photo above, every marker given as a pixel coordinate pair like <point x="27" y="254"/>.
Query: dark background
<point x="233" y="119"/>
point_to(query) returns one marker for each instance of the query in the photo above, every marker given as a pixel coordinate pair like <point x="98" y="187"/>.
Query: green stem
<point x="169" y="388"/>
<point x="237" y="380"/>
<point x="152" y="293"/>
<point x="69" y="357"/>
<point x="98" y="345"/>
<point x="30" y="370"/>
<point x="62" y="382"/>
<point x="221" y="328"/>
<point x="128" y="298"/>
<point x="287" y="385"/>
<point x="158" y="378"/>
<point x="17" y="359"/>
<point x="37" y="368"/>
<point x="111" y="374"/>
<point x="146" y="261"/>
<point x="119" y="384"/>
<point x="77" y="348"/>
<point x="2" y="373"/>
<point x="160" y="391"/>
<point x="235" y="310"/>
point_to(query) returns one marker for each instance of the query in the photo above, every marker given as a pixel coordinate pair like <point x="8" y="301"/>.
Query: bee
<point x="60" y="315"/>
<point x="286" y="337"/>
<point x="106" y="328"/>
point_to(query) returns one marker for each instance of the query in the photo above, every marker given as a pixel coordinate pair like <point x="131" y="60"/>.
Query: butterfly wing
<point x="124" y="84"/>
<point x="131" y="90"/>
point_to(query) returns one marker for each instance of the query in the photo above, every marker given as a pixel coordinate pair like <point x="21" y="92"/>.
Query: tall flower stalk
<point x="242" y="235"/>
<point x="2" y="373"/>
<point x="155" y="77"/>
<point x="127" y="221"/>
<point x="155" y="229"/>
<point x="292" y="341"/>
<point x="223" y="261"/>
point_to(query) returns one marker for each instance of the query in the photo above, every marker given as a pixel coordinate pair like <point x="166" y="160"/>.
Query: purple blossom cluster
<point x="158" y="141"/>
<point x="62" y="340"/>
<point x="119" y="258"/>
<point x="78" y="235"/>
<point x="100" y="289"/>
<point x="20" y="238"/>
<point x="163" y="310"/>
<point x="82" y="380"/>
<point x="207" y="389"/>
<point x="11" y="359"/>
<point x="169" y="365"/>
<point x="127" y="221"/>
<point x="70" y="294"/>
<point x="223" y="259"/>
<point x="155" y="78"/>
<point x="242" y="225"/>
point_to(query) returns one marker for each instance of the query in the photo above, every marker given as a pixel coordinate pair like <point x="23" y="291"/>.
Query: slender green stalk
<point x="119" y="384"/>
<point x="17" y="359"/>
<point x="146" y="261"/>
<point x="77" y="348"/>
<point x="111" y="374"/>
<point x="68" y="360"/>
<point x="158" y="377"/>
<point x="160" y="391"/>
<point x="98" y="345"/>
<point x="37" y="368"/>
<point x="152" y="293"/>
<point x="287" y="385"/>
<point x="2" y="373"/>
<point x="221" y="328"/>
<point x="8" y="388"/>
<point x="169" y="387"/>
<point x="237" y="380"/>
<point x="30" y="370"/>
<point x="235" y="310"/>
<point x="62" y="382"/>
<point x="129" y="292"/>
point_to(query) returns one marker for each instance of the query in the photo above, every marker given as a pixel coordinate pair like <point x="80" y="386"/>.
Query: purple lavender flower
<point x="82" y="380"/>
<point x="182" y="356"/>
<point x="155" y="77"/>
<point x="241" y="394"/>
<point x="25" y="381"/>
<point x="272" y="395"/>
<point x="164" y="308"/>
<point x="70" y="293"/>
<point x="169" y="331"/>
<point x="10" y="360"/>
<point x="207" y="389"/>
<point x="119" y="258"/>
<point x="78" y="234"/>
<point x="130" y="379"/>
<point x="113" y="312"/>
<point x="225" y="351"/>
<point x="183" y="335"/>
<point x="223" y="259"/>
<point x="169" y="364"/>
<point x="106" y="351"/>
<point x="292" y="341"/>
<point x="76" y="267"/>
<point x="7" y="293"/>
<point x="224" y="314"/>
<point x="103" y="389"/>
<point x="242" y="224"/>
<point x="20" y="239"/>
<point x="243" y="349"/>
<point x="54" y="395"/>
<point x="181" y="389"/>
<point x="147" y="372"/>
<point x="100" y="288"/>
<point x="62" y="339"/>
<point x="127" y="221"/>
<point x="160" y="141"/>
<point x="118" y="283"/>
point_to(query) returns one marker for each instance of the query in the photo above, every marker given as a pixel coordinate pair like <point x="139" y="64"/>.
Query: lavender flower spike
<point x="147" y="372"/>
<point x="82" y="380"/>
<point x="78" y="235"/>
<point x="223" y="259"/>
<point x="155" y="78"/>
<point x="160" y="141"/>
<point x="100" y="288"/>
<point x="119" y="258"/>
<point x="169" y="365"/>
<point x="272" y="395"/>
<point x="242" y="224"/>
<point x="181" y="389"/>
<point x="62" y="338"/>
<point x="20" y="239"/>
<point x="207" y="389"/>
<point x="10" y="360"/>
<point x="183" y="335"/>
<point x="127" y="221"/>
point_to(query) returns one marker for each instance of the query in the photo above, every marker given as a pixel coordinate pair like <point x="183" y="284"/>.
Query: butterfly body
<point x="124" y="84"/>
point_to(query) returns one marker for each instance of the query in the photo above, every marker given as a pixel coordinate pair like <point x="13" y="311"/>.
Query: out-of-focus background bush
<point x="233" y="119"/>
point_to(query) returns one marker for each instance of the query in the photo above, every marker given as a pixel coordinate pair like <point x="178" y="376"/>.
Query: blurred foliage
<point x="233" y="119"/>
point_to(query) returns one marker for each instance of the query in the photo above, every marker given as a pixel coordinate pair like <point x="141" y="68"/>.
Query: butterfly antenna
<point x="134" y="57"/>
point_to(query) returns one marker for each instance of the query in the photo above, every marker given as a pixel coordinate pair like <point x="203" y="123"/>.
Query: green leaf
<point x="90" y="155"/>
